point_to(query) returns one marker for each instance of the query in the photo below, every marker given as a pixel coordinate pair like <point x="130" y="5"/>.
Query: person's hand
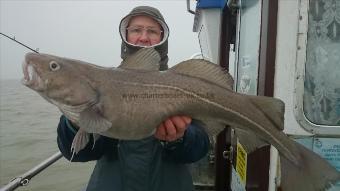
<point x="172" y="128"/>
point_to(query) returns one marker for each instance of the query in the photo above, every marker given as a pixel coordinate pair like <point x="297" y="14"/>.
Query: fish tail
<point x="310" y="173"/>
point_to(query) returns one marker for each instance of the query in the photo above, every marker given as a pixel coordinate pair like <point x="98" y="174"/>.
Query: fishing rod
<point x="25" y="178"/>
<point x="22" y="44"/>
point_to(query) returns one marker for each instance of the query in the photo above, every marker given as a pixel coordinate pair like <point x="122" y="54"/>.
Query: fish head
<point x="57" y="79"/>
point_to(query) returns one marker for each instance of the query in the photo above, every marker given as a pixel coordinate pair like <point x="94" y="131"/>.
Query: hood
<point x="162" y="48"/>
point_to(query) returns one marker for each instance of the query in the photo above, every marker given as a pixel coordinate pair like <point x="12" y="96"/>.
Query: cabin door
<point x="247" y="49"/>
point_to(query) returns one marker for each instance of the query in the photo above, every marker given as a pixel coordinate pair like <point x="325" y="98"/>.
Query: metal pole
<point x="188" y="7"/>
<point x="24" y="179"/>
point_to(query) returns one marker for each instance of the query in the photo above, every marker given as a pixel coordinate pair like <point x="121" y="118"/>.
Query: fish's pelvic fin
<point x="273" y="108"/>
<point x="205" y="70"/>
<point x="95" y="138"/>
<point x="92" y="122"/>
<point x="312" y="172"/>
<point x="144" y="59"/>
<point x="80" y="140"/>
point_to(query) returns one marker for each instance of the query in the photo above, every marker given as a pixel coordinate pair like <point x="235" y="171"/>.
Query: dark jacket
<point x="143" y="165"/>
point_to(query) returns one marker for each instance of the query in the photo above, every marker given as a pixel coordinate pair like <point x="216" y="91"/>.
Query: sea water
<point x="28" y="132"/>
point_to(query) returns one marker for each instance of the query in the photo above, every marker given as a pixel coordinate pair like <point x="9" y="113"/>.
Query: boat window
<point x="321" y="99"/>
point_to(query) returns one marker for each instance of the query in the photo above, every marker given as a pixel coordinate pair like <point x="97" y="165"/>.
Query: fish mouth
<point x="31" y="78"/>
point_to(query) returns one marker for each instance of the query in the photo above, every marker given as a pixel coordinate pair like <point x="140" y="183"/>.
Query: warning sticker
<point x="241" y="162"/>
<point x="329" y="149"/>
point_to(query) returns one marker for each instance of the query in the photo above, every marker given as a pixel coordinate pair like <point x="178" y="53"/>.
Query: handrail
<point x="25" y="178"/>
<point x="188" y="8"/>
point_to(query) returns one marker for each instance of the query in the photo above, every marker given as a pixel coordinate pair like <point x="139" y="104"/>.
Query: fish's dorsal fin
<point x="206" y="70"/>
<point x="143" y="59"/>
<point x="273" y="108"/>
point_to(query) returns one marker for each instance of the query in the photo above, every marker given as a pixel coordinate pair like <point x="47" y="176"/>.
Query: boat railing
<point x="25" y="178"/>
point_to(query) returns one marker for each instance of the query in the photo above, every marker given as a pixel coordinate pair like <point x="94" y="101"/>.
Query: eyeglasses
<point x="138" y="31"/>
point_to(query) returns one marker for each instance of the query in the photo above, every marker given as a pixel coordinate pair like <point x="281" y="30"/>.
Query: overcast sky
<point x="83" y="29"/>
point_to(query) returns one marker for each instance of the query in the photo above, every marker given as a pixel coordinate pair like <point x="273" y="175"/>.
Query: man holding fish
<point x="129" y="103"/>
<point x="154" y="163"/>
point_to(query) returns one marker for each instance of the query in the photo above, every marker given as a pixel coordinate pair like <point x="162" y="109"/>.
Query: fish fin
<point x="80" y="140"/>
<point x="214" y="126"/>
<point x="143" y="59"/>
<point x="92" y="122"/>
<point x="249" y="141"/>
<point x="95" y="138"/>
<point x="311" y="173"/>
<point x="273" y="108"/>
<point x="205" y="70"/>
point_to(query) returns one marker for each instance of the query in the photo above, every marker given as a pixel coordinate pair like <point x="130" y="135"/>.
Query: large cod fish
<point x="130" y="101"/>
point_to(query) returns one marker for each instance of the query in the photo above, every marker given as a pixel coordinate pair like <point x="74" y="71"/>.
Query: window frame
<point x="301" y="58"/>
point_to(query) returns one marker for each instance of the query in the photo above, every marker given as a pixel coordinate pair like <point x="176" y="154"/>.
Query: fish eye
<point x="54" y="66"/>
